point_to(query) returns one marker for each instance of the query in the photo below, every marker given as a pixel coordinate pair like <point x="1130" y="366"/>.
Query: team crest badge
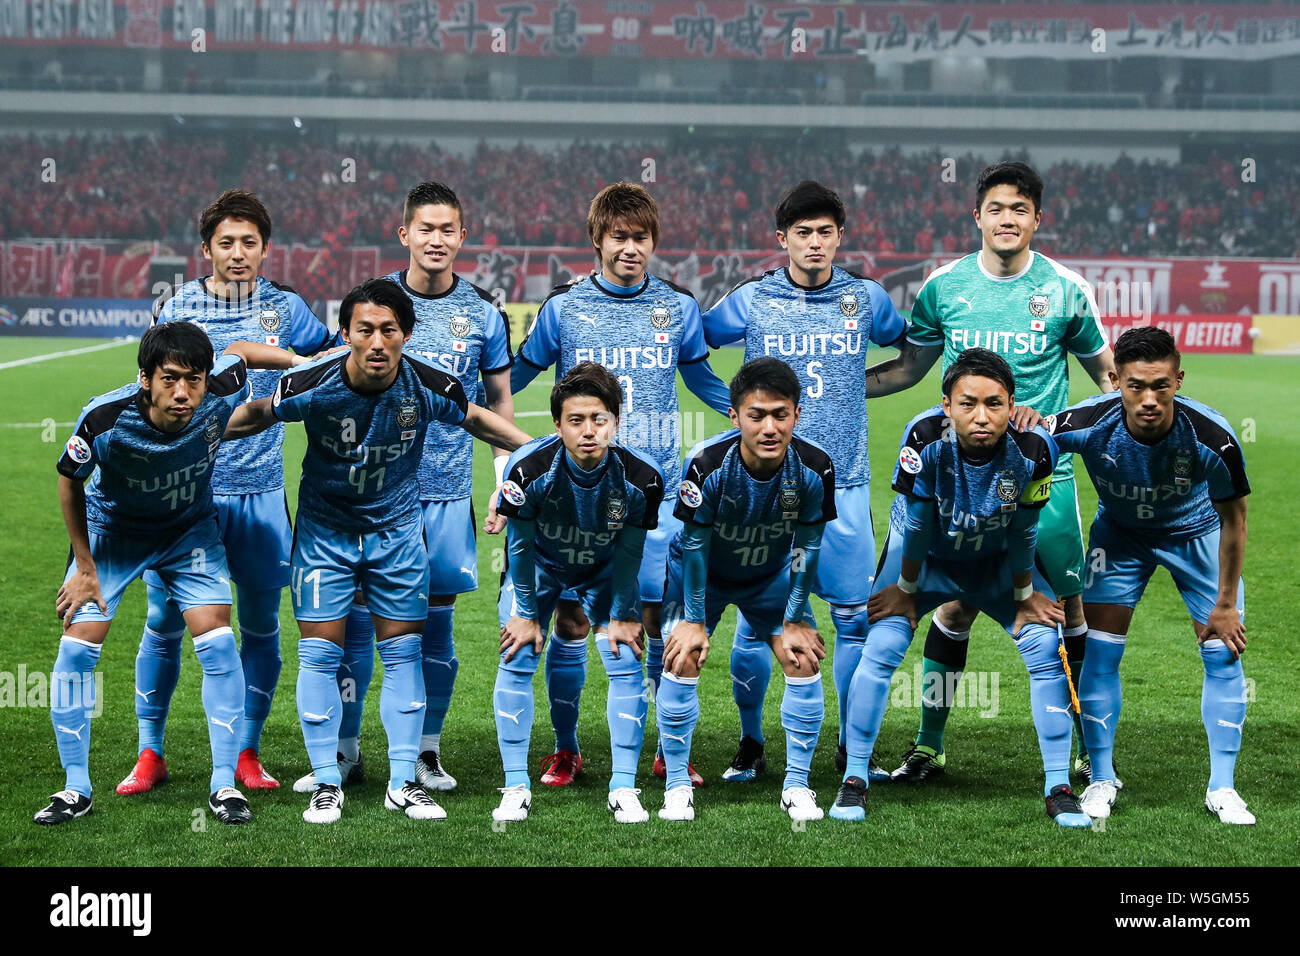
<point x="269" y="319"/>
<point x="615" y="511"/>
<point x="459" y="326"/>
<point x="1183" y="467"/>
<point x="691" y="495"/>
<point x="660" y="317"/>
<point x="1008" y="488"/>
<point x="211" y="429"/>
<point x="849" y="304"/>
<point x="909" y="459"/>
<point x="789" y="497"/>
<point x="78" y="450"/>
<point x="408" y="413"/>
<point x="513" y="493"/>
<point x="1038" y="305"/>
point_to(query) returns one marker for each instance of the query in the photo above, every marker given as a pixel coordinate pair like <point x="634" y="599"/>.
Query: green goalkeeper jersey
<point x="1031" y="319"/>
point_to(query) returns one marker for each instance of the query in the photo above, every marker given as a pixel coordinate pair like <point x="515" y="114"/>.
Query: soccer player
<point x="235" y="303"/>
<point x="148" y="449"/>
<point x="971" y="492"/>
<point x="461" y="331"/>
<point x="818" y="319"/>
<point x="359" y="527"/>
<point x="579" y="508"/>
<point x="1033" y="312"/>
<point x="754" y="502"/>
<point x="644" y="330"/>
<point x="1171" y="487"/>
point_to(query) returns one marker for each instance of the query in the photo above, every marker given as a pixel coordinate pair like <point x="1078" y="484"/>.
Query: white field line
<point x="32" y="360"/>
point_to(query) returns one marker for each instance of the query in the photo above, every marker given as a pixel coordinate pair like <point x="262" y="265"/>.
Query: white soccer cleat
<point x="326" y="804"/>
<point x="515" y="803"/>
<point x="801" y="804"/>
<point x="352" y="771"/>
<point x="679" y="804"/>
<point x="625" y="804"/>
<point x="429" y="772"/>
<point x="1098" y="798"/>
<point x="412" y="800"/>
<point x="1228" y="805"/>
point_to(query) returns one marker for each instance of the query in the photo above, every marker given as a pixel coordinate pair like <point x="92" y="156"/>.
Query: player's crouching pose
<point x="1171" y="487"/>
<point x="579" y="509"/>
<point x="151" y="446"/>
<point x="754" y="502"/>
<point x="359" y="526"/>
<point x="973" y="491"/>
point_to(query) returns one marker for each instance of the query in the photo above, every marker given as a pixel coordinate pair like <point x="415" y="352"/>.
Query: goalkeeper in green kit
<point x="1033" y="312"/>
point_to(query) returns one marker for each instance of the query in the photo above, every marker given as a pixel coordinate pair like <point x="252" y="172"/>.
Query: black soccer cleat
<point x="1063" y="807"/>
<point x="64" y="806"/>
<point x="230" y="806"/>
<point x="919" y="764"/>
<point x="748" y="763"/>
<point x="851" y="801"/>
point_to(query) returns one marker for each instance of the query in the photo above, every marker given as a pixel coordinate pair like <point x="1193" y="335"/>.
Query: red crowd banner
<point x="1123" y="287"/>
<point x="678" y="29"/>
<point x="1216" y="334"/>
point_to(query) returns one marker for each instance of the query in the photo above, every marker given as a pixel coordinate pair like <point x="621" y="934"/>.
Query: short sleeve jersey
<point x="1164" y="490"/>
<point x="975" y="499"/>
<point x="273" y="315"/>
<point x="1033" y="320"/>
<point x="753" y="519"/>
<point x="363" y="450"/>
<point x="821" y="333"/>
<point x="641" y="335"/>
<point x="579" y="514"/>
<point x="465" y="335"/>
<point x="145" y="481"/>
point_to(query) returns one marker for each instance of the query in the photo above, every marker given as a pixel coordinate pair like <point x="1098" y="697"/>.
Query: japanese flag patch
<point x="1037" y="325"/>
<point x="661" y="338"/>
<point x="458" y="346"/>
<point x="850" y="325"/>
<point x="273" y="340"/>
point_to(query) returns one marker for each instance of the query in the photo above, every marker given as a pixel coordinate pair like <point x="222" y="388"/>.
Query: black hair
<point x="587" y="379"/>
<point x="1010" y="173"/>
<point x="1146" y="344"/>
<point x="234" y="204"/>
<point x="383" y="293"/>
<point x="983" y="363"/>
<point x="181" y="342"/>
<point x="808" y="200"/>
<point x="431" y="193"/>
<point x="765" y="374"/>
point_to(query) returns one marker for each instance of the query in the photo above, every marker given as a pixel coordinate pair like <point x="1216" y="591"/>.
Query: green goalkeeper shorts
<point x="1060" y="539"/>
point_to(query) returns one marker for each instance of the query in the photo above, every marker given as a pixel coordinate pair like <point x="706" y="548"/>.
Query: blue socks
<point x="678" y="710"/>
<point x="654" y="662"/>
<point x="72" y="700"/>
<point x="259" y="651"/>
<point x="354" y="673"/>
<point x="512" y="704"/>
<point x="850" y="638"/>
<point x="319" y="705"/>
<point x="223" y="700"/>
<point x="625" y="710"/>
<point x="751" y="671"/>
<point x="566" y="673"/>
<point x="1100" y="699"/>
<point x="439" y="664"/>
<point x="1049" y="700"/>
<point x="1223" y="709"/>
<point x="402" y="705"/>
<point x="157" y="668"/>
<point x="869" y="691"/>
<point x="802" y="710"/>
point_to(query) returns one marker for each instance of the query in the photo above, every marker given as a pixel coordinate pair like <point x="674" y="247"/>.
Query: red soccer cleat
<point x="661" y="771"/>
<point x="149" y="771"/>
<point x="561" y="767"/>
<point x="251" y="774"/>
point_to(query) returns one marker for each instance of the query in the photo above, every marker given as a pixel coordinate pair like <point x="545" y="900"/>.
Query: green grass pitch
<point x="987" y="810"/>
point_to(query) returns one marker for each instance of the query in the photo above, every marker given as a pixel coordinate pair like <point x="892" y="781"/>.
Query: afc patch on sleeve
<point x="909" y="459"/>
<point x="78" y="450"/>
<point x="513" y="493"/>
<point x="691" y="495"/>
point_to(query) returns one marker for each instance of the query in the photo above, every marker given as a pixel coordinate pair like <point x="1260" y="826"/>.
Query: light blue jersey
<point x="1162" y="491"/>
<point x="821" y="333"/>
<point x="358" y="475"/>
<point x="274" y="315"/>
<point x="465" y="335"/>
<point x="144" y="481"/>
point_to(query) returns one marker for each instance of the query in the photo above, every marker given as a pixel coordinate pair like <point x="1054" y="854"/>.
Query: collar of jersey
<point x="1123" y="418"/>
<point x="979" y="262"/>
<point x="968" y="459"/>
<point x="577" y="472"/>
<point x="343" y="374"/>
<point x="455" y="281"/>
<point x="600" y="283"/>
<point x="807" y="288"/>
<point x="208" y="293"/>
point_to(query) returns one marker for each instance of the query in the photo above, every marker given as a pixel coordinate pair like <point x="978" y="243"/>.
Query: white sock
<point x="350" y="747"/>
<point x="430" y="742"/>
